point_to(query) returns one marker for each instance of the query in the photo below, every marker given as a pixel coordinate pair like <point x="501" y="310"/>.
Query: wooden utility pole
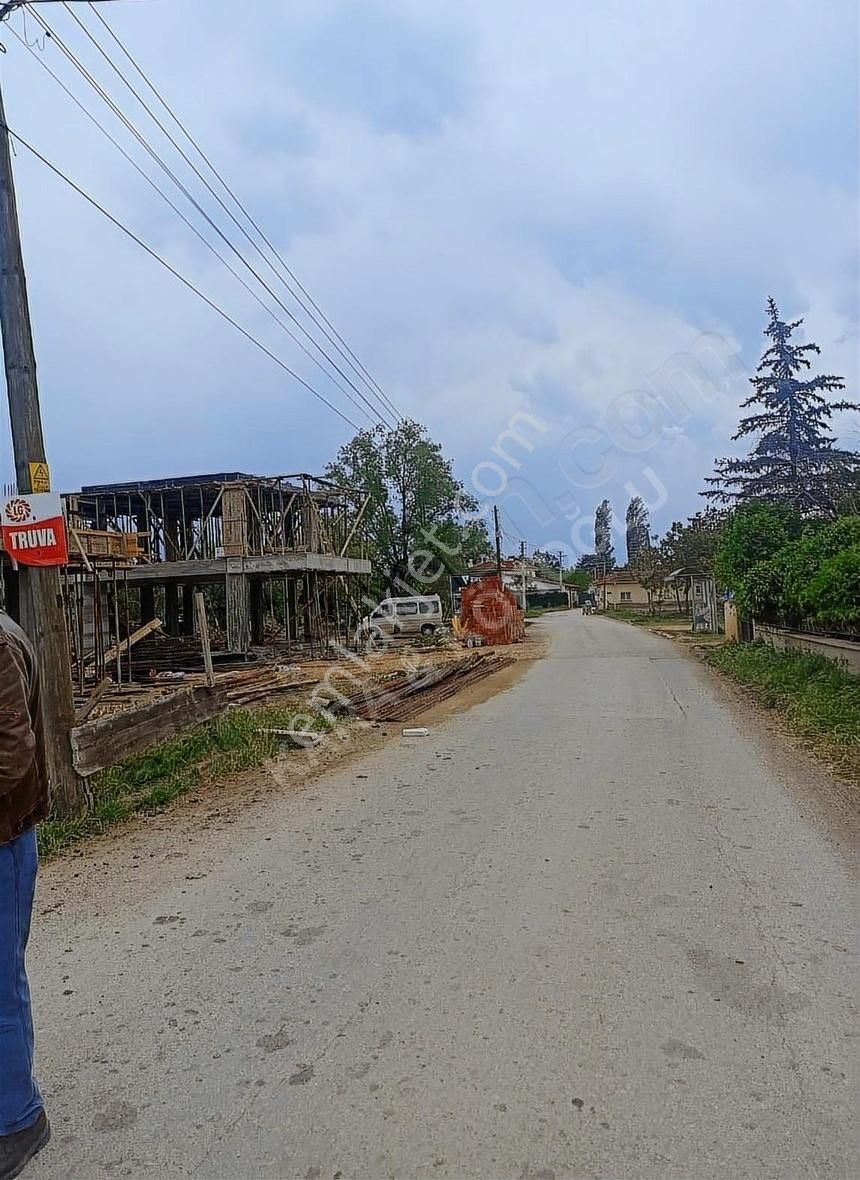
<point x="523" y="573"/>
<point x="41" y="601"/>
<point x="498" y="542"/>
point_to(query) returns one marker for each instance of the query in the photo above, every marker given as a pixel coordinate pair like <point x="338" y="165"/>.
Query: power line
<point x="7" y="7"/>
<point x="85" y="73"/>
<point x="337" y="340"/>
<point x="254" y="295"/>
<point x="177" y="274"/>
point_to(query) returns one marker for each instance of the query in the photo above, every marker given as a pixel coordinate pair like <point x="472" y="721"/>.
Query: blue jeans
<point x="20" y="1100"/>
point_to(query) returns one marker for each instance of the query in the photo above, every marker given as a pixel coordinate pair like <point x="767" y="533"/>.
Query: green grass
<point x="641" y="618"/>
<point x="151" y="781"/>
<point x="819" y="699"/>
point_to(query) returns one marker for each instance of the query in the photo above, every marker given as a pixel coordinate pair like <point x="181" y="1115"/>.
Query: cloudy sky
<point x="564" y="210"/>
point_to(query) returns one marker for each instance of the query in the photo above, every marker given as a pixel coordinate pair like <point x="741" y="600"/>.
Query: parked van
<point x="404" y="616"/>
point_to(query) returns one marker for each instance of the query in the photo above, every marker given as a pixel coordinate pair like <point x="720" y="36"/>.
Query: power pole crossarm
<point x="41" y="602"/>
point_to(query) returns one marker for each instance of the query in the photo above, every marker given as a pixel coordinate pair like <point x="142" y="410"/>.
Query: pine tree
<point x="794" y="461"/>
<point x="638" y="529"/>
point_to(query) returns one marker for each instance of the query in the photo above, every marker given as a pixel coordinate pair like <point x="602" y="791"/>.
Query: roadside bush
<point x="809" y="574"/>
<point x="755" y="533"/>
<point x="832" y="595"/>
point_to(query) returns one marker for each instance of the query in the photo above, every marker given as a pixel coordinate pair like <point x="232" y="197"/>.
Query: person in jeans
<point x="24" y="1128"/>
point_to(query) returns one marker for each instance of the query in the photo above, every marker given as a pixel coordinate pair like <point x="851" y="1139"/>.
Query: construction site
<point x="190" y="596"/>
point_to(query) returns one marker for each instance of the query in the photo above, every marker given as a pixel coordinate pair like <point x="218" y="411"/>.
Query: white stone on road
<point x="584" y="929"/>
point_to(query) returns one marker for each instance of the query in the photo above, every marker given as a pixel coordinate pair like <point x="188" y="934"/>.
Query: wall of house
<point x="638" y="595"/>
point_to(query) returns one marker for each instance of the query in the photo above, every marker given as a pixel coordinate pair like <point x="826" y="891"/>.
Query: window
<point x="428" y="608"/>
<point x="383" y="610"/>
<point x="625" y="596"/>
<point x="406" y="608"/>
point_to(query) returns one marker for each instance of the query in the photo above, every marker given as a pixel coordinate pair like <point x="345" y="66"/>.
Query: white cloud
<point x="502" y="207"/>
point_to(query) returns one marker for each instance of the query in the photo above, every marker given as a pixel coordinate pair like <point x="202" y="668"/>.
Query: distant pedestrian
<point x="24" y="1128"/>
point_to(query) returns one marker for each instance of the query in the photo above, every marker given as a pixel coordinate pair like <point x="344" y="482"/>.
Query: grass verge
<point x="151" y="781"/>
<point x="818" y="698"/>
<point x="641" y="618"/>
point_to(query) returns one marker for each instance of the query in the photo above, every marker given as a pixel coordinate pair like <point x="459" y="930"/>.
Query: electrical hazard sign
<point x="33" y="530"/>
<point x="40" y="477"/>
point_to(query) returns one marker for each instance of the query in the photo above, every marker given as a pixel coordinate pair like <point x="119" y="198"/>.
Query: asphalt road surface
<point x="592" y="927"/>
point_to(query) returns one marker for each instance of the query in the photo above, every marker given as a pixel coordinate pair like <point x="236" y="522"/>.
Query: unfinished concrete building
<point x="283" y="552"/>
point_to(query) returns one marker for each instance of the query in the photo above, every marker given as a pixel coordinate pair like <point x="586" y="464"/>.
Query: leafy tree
<point x="638" y="529"/>
<point x="415" y="513"/>
<point x="590" y="563"/>
<point x="794" y="460"/>
<point x="809" y="576"/>
<point x="650" y="570"/>
<point x="695" y="541"/>
<point x="833" y="593"/>
<point x="603" y="534"/>
<point x="578" y="578"/>
<point x="543" y="557"/>
<point x="754" y="533"/>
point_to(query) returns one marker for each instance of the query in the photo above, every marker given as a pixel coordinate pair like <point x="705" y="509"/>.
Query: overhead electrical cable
<point x="178" y="275"/>
<point x="114" y="106"/>
<point x="336" y="339"/>
<point x="194" y="229"/>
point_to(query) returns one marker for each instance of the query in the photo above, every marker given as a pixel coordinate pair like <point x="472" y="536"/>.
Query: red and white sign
<point x="34" y="531"/>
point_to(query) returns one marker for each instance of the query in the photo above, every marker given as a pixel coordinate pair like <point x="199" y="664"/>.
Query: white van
<point x="421" y="615"/>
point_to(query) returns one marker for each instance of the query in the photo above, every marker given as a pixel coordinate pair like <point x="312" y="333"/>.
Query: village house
<point x="623" y="589"/>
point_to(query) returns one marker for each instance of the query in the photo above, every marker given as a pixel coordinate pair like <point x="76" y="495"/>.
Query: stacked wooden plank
<point x="108" y="740"/>
<point x="410" y="696"/>
<point x="166" y="653"/>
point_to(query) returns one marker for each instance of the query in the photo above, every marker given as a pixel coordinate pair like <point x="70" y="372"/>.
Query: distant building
<point x="512" y="576"/>
<point x="622" y="589"/>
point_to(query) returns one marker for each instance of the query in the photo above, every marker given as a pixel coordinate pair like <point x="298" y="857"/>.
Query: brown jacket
<point x="23" y="776"/>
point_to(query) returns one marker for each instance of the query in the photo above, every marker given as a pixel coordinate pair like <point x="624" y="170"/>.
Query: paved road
<point x="586" y="929"/>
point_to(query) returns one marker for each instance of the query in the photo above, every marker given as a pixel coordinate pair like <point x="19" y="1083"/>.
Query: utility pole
<point x="523" y="572"/>
<point x="560" y="568"/>
<point x="498" y="543"/>
<point x="41" y="600"/>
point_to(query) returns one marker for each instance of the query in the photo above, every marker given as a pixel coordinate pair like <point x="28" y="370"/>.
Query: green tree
<point x="578" y="578"/>
<point x="417" y="517"/>
<point x="603" y="535"/>
<point x="832" y="594"/>
<point x="650" y="570"/>
<point x="694" y="541"/>
<point x="754" y="533"/>
<point x="794" y="460"/>
<point x="638" y="529"/>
